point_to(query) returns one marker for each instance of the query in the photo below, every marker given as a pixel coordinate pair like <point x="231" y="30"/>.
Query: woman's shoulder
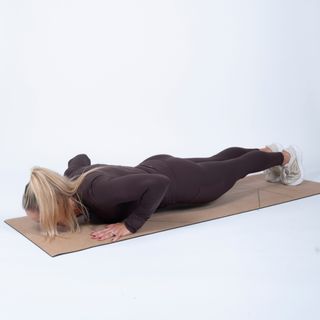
<point x="78" y="161"/>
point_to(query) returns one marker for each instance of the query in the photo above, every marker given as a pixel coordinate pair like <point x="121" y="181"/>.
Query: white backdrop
<point x="123" y="80"/>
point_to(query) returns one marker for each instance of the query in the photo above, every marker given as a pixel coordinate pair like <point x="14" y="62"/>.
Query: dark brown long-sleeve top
<point x="132" y="194"/>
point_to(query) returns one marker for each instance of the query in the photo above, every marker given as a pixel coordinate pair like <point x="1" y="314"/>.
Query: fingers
<point x="109" y="231"/>
<point x="116" y="237"/>
<point x="102" y="231"/>
<point x="103" y="235"/>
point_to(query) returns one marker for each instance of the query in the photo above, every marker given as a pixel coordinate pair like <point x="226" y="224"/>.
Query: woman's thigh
<point x="218" y="178"/>
<point x="199" y="182"/>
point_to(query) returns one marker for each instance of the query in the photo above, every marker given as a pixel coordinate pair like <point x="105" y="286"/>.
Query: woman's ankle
<point x="286" y="157"/>
<point x="286" y="154"/>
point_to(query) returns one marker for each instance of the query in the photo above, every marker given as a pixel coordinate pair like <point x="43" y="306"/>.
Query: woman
<point x="125" y="197"/>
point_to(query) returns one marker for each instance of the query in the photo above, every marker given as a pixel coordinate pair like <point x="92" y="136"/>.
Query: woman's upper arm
<point x="112" y="191"/>
<point x="147" y="189"/>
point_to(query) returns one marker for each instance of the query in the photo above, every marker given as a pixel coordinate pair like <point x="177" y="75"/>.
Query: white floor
<point x="262" y="264"/>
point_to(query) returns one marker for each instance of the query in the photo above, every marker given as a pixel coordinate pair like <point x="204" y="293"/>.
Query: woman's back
<point x="114" y="192"/>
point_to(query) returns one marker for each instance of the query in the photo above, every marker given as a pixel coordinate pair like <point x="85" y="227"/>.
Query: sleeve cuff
<point x="131" y="229"/>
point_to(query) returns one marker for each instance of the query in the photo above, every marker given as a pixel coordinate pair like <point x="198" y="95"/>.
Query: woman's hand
<point x="116" y="230"/>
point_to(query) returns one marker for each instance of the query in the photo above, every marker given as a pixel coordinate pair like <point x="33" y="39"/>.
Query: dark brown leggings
<point x="225" y="168"/>
<point x="198" y="180"/>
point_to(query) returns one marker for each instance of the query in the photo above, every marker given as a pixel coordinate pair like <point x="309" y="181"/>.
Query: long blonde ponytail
<point x="49" y="193"/>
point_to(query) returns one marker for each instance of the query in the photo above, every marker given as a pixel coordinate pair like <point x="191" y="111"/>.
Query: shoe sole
<point x="299" y="159"/>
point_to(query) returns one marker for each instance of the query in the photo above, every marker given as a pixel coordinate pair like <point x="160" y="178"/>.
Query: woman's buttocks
<point x="159" y="157"/>
<point x="155" y="164"/>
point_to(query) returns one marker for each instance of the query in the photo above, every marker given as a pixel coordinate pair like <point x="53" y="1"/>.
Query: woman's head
<point x="50" y="198"/>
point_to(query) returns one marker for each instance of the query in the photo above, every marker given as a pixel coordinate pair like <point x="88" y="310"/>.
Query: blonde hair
<point x="49" y="193"/>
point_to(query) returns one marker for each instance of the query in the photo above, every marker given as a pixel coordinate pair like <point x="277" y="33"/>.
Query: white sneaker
<point x="292" y="172"/>
<point x="273" y="174"/>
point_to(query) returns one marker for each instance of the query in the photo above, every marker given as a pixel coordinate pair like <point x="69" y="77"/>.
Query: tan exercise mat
<point x="249" y="193"/>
